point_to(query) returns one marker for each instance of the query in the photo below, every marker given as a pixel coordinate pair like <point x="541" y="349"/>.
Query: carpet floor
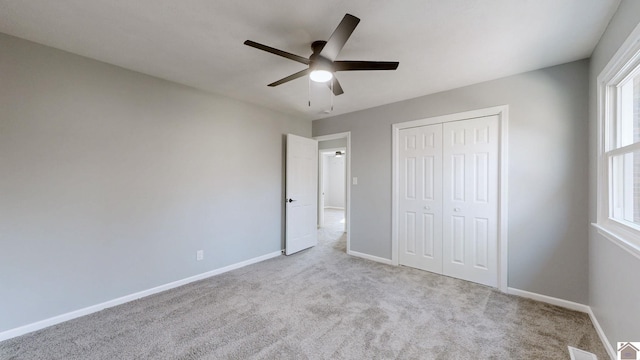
<point x="318" y="304"/>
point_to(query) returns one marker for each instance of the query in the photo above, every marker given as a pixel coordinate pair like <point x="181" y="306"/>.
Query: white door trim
<point x="503" y="114"/>
<point x="347" y="210"/>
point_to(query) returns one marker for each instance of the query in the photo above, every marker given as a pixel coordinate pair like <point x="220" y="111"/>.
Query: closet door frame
<point x="503" y="123"/>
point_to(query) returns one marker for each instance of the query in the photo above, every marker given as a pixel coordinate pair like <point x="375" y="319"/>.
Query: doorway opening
<point x="334" y="195"/>
<point x="332" y="185"/>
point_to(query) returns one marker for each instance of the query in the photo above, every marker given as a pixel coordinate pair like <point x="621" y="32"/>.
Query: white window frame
<point x="625" y="62"/>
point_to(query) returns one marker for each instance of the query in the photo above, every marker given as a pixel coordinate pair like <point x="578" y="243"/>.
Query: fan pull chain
<point x="332" y="95"/>
<point x="309" y="78"/>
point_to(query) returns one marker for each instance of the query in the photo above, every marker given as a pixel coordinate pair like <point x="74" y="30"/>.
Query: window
<point x="623" y="157"/>
<point x="619" y="147"/>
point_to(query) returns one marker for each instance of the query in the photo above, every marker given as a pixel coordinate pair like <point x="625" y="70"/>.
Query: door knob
<point x="456" y="209"/>
<point x="290" y="200"/>
<point x="427" y="207"/>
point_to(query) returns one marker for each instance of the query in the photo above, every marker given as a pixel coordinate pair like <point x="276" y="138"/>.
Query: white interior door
<point x="301" y="194"/>
<point x="470" y="205"/>
<point x="420" y="198"/>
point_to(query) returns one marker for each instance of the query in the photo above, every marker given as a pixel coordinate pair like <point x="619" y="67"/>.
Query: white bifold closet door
<point x="420" y="200"/>
<point x="448" y="199"/>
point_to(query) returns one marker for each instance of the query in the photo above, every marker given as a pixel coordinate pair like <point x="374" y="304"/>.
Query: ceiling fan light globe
<point x="320" y="75"/>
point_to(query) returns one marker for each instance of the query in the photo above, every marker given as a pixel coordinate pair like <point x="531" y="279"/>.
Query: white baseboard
<point x="603" y="338"/>
<point x="549" y="300"/>
<point x="369" y="257"/>
<point x="8" y="334"/>
<point x="571" y="306"/>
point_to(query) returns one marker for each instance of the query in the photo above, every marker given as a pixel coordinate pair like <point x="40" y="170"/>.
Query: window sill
<point x="618" y="240"/>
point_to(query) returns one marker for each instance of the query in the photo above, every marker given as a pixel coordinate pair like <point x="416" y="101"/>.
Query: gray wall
<point x="111" y="180"/>
<point x="332" y="144"/>
<point x="611" y="269"/>
<point x="548" y="166"/>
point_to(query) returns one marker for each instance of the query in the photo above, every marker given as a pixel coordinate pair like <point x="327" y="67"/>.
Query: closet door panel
<point x="470" y="199"/>
<point x="420" y="198"/>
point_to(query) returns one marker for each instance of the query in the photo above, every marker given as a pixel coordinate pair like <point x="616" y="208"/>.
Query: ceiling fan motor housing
<point x="317" y="62"/>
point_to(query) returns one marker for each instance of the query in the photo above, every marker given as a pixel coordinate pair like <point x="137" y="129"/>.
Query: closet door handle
<point x="290" y="200"/>
<point x="456" y="209"/>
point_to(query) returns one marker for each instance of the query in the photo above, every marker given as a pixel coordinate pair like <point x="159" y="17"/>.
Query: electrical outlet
<point x="355" y="180"/>
<point x="199" y="255"/>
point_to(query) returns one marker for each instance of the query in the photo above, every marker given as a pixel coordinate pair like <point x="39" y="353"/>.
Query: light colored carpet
<point x="318" y="304"/>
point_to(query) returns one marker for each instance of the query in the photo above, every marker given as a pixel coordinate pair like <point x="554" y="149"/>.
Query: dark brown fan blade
<point x="285" y="54"/>
<point x="339" y="37"/>
<point x="365" y="65"/>
<point x="290" y="77"/>
<point x="337" y="89"/>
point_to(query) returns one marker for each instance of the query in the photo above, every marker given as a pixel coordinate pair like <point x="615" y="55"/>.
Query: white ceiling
<point x="440" y="44"/>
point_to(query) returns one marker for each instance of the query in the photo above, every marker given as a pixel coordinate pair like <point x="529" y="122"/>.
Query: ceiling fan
<point x="322" y="63"/>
